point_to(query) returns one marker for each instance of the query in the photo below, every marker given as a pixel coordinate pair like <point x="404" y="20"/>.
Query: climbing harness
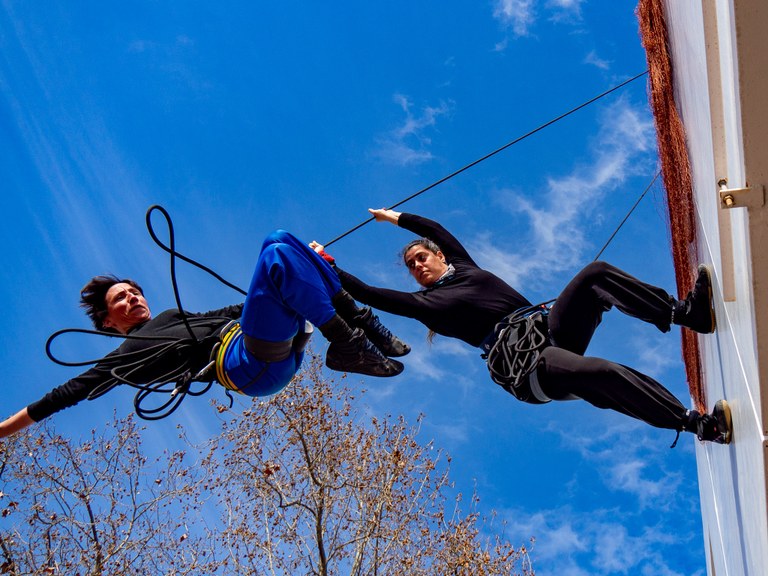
<point x="169" y="352"/>
<point x="514" y="349"/>
<point x="228" y="333"/>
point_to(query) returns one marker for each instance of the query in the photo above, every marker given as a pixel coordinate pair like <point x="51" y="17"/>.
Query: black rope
<point x="627" y="216"/>
<point x="489" y="155"/>
<point x="123" y="367"/>
<point x="172" y="251"/>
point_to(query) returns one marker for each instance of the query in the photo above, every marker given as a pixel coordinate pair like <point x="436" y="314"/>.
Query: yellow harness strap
<point x="229" y="333"/>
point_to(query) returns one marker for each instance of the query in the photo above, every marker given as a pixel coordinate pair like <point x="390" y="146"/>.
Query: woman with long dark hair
<point x="461" y="300"/>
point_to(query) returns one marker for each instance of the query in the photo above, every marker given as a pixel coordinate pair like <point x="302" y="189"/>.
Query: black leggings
<point x="563" y="370"/>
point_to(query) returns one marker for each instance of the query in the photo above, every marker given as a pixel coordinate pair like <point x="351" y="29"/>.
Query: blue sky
<point x="244" y="117"/>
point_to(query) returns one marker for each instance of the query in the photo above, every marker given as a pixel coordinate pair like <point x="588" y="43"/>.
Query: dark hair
<point x="93" y="297"/>
<point x="432" y="247"/>
<point x="425" y="242"/>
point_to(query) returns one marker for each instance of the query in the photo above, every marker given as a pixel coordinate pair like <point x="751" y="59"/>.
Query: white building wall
<point x="732" y="479"/>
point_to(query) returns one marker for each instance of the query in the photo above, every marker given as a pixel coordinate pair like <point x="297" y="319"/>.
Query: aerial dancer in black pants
<point x="461" y="300"/>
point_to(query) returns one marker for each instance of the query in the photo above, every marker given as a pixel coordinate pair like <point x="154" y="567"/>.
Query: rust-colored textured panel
<point x="676" y="173"/>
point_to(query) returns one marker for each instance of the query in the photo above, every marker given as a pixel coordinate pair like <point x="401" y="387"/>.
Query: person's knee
<point x="597" y="269"/>
<point x="278" y="237"/>
<point x="275" y="257"/>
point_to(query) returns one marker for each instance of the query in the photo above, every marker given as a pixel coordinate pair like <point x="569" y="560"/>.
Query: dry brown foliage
<point x="309" y="488"/>
<point x="97" y="507"/>
<point x="298" y="484"/>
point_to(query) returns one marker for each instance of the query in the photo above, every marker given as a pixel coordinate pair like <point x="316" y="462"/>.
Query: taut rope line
<point x="490" y="154"/>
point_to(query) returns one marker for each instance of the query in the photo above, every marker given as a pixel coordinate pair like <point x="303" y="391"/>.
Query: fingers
<point x="384" y="215"/>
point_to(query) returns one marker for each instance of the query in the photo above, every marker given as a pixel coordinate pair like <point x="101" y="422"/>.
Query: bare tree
<point x="299" y="484"/>
<point x="96" y="508"/>
<point x="309" y="488"/>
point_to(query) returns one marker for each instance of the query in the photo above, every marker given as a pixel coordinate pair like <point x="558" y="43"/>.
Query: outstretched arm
<point x="15" y="423"/>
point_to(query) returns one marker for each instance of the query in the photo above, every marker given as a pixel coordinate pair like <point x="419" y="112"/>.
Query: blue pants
<point x="291" y="284"/>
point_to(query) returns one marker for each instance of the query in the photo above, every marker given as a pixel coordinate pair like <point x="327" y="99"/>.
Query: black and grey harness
<point x="514" y="349"/>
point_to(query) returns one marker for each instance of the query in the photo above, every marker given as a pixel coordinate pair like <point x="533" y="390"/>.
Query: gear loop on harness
<point x="515" y="349"/>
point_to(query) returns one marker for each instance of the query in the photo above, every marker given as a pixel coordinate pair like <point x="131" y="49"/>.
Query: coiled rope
<point x="176" y="382"/>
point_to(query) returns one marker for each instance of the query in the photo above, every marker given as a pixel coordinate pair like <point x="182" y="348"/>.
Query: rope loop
<point x="126" y="368"/>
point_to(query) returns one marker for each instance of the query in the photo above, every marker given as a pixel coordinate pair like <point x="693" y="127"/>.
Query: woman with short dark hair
<point x="291" y="290"/>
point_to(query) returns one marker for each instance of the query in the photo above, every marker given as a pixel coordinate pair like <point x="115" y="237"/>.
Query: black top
<point x="467" y="306"/>
<point x="178" y="353"/>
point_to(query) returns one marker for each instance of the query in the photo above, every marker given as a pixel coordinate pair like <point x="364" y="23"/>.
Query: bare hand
<point x="385" y="215"/>
<point x="316" y="246"/>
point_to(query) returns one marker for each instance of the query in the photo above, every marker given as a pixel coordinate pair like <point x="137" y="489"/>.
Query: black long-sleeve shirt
<point x="467" y="306"/>
<point x="169" y="328"/>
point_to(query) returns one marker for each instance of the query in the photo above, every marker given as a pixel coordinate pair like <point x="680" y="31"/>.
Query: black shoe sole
<point x="368" y="369"/>
<point x="713" y="322"/>
<point x="722" y="414"/>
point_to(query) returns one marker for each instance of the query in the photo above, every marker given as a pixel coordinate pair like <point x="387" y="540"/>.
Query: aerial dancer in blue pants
<point x="293" y="285"/>
<point x="292" y="289"/>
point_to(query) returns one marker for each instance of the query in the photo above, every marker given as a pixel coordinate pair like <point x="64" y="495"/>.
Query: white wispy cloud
<point x="625" y="453"/>
<point x="557" y="235"/>
<point x="568" y="543"/>
<point x="427" y="361"/>
<point x="423" y="363"/>
<point x="517" y="15"/>
<point x="633" y="476"/>
<point x="85" y="180"/>
<point x="593" y="59"/>
<point x="180" y="42"/>
<point x="564" y="11"/>
<point x="409" y="142"/>
<point x="653" y="354"/>
<point x="457" y="432"/>
<point x="573" y="6"/>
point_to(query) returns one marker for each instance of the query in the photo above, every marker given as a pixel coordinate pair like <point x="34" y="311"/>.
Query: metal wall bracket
<point x="741" y="197"/>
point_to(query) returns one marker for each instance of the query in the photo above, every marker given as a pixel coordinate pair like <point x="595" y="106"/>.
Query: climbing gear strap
<point x="267" y="351"/>
<point x="262" y="350"/>
<point x="228" y="334"/>
<point x="515" y="351"/>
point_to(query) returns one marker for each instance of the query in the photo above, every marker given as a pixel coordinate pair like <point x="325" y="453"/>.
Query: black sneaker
<point x="716" y="427"/>
<point x="359" y="355"/>
<point x="696" y="311"/>
<point x="382" y="338"/>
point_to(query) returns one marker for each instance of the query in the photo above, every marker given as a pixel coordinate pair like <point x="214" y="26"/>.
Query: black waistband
<point x="267" y="351"/>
